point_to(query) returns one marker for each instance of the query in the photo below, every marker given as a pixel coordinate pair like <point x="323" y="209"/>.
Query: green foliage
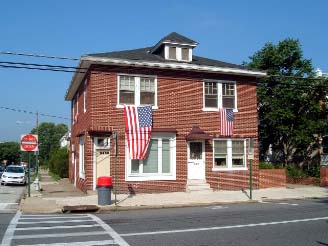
<point x="49" y="135"/>
<point x="10" y="151"/>
<point x="58" y="163"/>
<point x="289" y="106"/>
<point x="295" y="172"/>
<point x="266" y="165"/>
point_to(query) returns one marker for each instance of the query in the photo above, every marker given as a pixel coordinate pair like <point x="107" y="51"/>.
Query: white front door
<point x="196" y="160"/>
<point x="102" y="163"/>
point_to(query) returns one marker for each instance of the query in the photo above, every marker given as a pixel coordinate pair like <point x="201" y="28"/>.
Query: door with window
<point x="102" y="157"/>
<point x="196" y="160"/>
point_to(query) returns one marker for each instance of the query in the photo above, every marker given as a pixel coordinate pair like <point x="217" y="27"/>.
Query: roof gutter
<point x="86" y="61"/>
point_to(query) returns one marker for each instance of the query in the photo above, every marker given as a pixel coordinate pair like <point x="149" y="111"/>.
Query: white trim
<point x="82" y="157"/>
<point x="219" y="95"/>
<point x="136" y="89"/>
<point x="182" y="44"/>
<point x="94" y="164"/>
<point x="229" y="166"/>
<point x="85" y="95"/>
<point x="175" y="66"/>
<point x="159" y="176"/>
<point x="203" y="158"/>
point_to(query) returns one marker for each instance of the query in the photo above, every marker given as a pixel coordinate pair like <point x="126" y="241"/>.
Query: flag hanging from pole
<point x="226" y="123"/>
<point x="138" y="128"/>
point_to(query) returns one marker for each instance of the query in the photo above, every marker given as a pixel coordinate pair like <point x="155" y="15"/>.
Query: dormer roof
<point x="174" y="38"/>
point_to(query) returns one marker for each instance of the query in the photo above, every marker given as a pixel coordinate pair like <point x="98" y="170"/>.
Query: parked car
<point x="13" y="175"/>
<point x="2" y="168"/>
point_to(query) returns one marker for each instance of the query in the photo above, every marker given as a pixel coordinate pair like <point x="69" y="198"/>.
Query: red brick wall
<point x="180" y="102"/>
<point x="272" y="178"/>
<point x="303" y="181"/>
<point x="324" y="176"/>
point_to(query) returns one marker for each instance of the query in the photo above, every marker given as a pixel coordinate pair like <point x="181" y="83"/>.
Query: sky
<point x="229" y="31"/>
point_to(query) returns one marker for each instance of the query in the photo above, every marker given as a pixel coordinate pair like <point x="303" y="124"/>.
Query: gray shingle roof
<point x="178" y="38"/>
<point x="144" y="54"/>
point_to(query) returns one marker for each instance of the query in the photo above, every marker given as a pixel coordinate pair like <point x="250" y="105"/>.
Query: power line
<point x="30" y="112"/>
<point x="39" y="56"/>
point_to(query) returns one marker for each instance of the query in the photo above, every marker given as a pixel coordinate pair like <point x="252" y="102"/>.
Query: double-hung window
<point x="160" y="161"/>
<point x="81" y="157"/>
<point x="229" y="154"/>
<point x="220" y="94"/>
<point x="137" y="90"/>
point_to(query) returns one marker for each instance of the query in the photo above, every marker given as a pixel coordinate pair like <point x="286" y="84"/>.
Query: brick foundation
<point x="324" y="176"/>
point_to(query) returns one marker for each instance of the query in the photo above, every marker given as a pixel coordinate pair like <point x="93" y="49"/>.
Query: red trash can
<point x="104" y="187"/>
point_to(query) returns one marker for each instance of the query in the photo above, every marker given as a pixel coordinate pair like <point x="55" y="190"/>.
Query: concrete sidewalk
<point x="56" y="195"/>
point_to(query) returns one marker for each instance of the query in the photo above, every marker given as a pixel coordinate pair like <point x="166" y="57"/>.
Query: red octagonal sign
<point x="29" y="142"/>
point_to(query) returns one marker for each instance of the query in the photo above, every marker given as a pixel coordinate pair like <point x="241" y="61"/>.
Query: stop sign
<point x="29" y="142"/>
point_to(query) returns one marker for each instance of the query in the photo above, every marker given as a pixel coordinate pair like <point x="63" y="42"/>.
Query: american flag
<point x="226" y="123"/>
<point x="138" y="128"/>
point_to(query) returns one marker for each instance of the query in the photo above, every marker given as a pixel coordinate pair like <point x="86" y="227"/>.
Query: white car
<point x="14" y="175"/>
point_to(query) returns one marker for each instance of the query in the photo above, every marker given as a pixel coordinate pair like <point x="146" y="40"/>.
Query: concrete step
<point x="198" y="185"/>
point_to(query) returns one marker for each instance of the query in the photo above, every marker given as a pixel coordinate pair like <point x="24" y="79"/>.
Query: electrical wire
<point x="30" y="112"/>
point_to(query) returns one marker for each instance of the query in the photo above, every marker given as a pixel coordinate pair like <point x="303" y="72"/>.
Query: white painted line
<point x="51" y="222"/>
<point x="118" y="239"/>
<point x="6" y="241"/>
<point x="57" y="217"/>
<point x="55" y="227"/>
<point x="71" y="234"/>
<point x="217" y="207"/>
<point x="47" y="216"/>
<point x="289" y="204"/>
<point x="221" y="227"/>
<point x="89" y="243"/>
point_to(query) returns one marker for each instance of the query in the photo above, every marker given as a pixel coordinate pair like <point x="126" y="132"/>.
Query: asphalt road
<point x="295" y="222"/>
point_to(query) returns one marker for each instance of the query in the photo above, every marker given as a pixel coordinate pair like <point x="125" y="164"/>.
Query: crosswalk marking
<point x="27" y="223"/>
<point x="89" y="243"/>
<point x="55" y="227"/>
<point x="70" y="234"/>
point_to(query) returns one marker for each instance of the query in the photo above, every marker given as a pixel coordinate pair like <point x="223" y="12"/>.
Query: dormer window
<point x="184" y="54"/>
<point x="173" y="53"/>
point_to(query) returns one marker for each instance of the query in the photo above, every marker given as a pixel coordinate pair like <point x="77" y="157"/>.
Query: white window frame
<point x="129" y="176"/>
<point x="136" y="89"/>
<point x="73" y="111"/>
<point x="220" y="95"/>
<point x="229" y="166"/>
<point x="178" y="55"/>
<point x="81" y="157"/>
<point x="85" y="96"/>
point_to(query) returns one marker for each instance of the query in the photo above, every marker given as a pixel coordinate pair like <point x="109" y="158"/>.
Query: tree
<point x="289" y="101"/>
<point x="49" y="135"/>
<point x="10" y="151"/>
<point x="58" y="162"/>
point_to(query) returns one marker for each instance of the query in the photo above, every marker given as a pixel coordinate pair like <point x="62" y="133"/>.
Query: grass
<point x="54" y="176"/>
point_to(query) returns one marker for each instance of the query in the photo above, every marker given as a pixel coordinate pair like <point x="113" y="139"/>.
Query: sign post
<point x="29" y="143"/>
<point x="251" y="157"/>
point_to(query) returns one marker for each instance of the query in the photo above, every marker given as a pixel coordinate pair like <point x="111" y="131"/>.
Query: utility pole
<point x="37" y="152"/>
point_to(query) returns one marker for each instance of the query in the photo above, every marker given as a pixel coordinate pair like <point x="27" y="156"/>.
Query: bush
<point x="58" y="163"/>
<point x="266" y="165"/>
<point x="295" y="172"/>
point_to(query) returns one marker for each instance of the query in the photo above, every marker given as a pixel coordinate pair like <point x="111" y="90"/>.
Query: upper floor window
<point x="220" y="94"/>
<point x="173" y="53"/>
<point x="185" y="54"/>
<point x="137" y="90"/>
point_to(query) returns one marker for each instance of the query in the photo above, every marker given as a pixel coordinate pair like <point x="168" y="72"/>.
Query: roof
<point x="197" y="134"/>
<point x="145" y="57"/>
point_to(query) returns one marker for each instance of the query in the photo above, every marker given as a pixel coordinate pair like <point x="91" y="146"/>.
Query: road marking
<point x="55" y="227"/>
<point x="281" y="203"/>
<point x="118" y="239"/>
<point x="221" y="227"/>
<point x="89" y="243"/>
<point x="51" y="222"/>
<point x="6" y="241"/>
<point x="217" y="207"/>
<point x="55" y="217"/>
<point x="70" y="234"/>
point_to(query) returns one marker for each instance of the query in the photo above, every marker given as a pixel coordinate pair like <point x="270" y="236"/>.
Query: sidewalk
<point x="56" y="195"/>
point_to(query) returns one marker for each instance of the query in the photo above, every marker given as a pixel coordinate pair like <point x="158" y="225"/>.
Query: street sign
<point x="29" y="142"/>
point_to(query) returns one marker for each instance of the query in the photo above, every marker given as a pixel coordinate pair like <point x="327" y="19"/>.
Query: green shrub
<point x="58" y="163"/>
<point x="295" y="172"/>
<point x="266" y="165"/>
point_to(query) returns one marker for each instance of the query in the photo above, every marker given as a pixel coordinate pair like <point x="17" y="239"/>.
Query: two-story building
<point x="188" y="148"/>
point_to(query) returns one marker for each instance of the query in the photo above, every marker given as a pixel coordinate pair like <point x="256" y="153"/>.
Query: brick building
<point x="187" y="149"/>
